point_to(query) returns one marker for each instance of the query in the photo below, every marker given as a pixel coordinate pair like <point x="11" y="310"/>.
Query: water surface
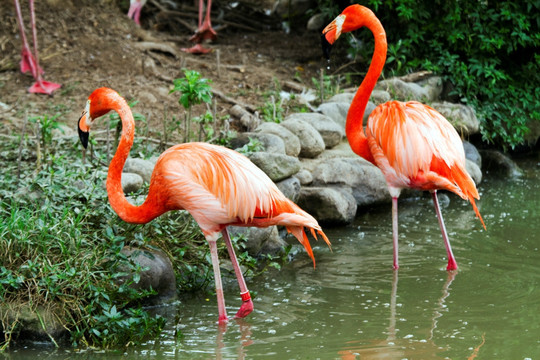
<point x="354" y="306"/>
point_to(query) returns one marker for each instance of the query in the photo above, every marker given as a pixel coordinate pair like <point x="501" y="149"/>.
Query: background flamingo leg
<point x="28" y="63"/>
<point x="217" y="278"/>
<point x="395" y="230"/>
<point x="452" y="265"/>
<point x="247" y="303"/>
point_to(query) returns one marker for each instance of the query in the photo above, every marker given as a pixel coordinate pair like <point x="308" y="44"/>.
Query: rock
<point x="141" y="167"/>
<point x="34" y="324"/>
<point x="380" y="97"/>
<point x="337" y="111"/>
<point x="159" y="274"/>
<point x="471" y="153"/>
<point x="366" y="180"/>
<point x="260" y="240"/>
<point x="462" y="117"/>
<point x="369" y="108"/>
<point x="316" y="22"/>
<point x="331" y="132"/>
<point x="304" y="176"/>
<point x="291" y="141"/>
<point x="496" y="162"/>
<point x="474" y="170"/>
<point x="328" y="205"/>
<point x="311" y="142"/>
<point x="433" y="87"/>
<point x="290" y="187"/>
<point x="130" y="182"/>
<point x="403" y="91"/>
<point x="346" y="97"/>
<point x="276" y="166"/>
<point x="271" y="142"/>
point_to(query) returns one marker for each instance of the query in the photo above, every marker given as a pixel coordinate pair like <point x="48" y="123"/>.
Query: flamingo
<point x="30" y="62"/>
<point x="203" y="32"/>
<point x="217" y="186"/>
<point x="134" y="12"/>
<point x="414" y="146"/>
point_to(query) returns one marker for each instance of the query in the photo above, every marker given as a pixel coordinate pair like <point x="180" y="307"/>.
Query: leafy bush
<point x="486" y="49"/>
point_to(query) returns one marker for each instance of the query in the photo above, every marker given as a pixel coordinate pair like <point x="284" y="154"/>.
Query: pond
<point x="354" y="306"/>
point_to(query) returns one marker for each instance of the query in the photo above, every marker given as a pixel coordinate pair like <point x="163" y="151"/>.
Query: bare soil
<point x="86" y="44"/>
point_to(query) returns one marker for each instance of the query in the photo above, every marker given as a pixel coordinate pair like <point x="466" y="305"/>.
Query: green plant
<point x="486" y="50"/>
<point x="252" y="146"/>
<point x="194" y="90"/>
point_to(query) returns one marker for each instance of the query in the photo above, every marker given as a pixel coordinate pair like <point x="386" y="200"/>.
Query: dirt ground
<point x="85" y="44"/>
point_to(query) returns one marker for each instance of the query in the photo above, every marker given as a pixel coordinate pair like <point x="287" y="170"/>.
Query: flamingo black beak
<point x="83" y="135"/>
<point x="326" y="46"/>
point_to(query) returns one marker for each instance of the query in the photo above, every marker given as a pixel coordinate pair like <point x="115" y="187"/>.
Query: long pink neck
<point x="150" y="209"/>
<point x="354" y="127"/>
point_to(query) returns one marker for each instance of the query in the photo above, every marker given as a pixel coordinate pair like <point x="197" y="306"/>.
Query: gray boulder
<point x="158" y="273"/>
<point x="331" y="132"/>
<point x="328" y="205"/>
<point x="291" y="141"/>
<point x="276" y="166"/>
<point x="304" y="176"/>
<point x="290" y="187"/>
<point x="462" y="117"/>
<point x="474" y="170"/>
<point x="495" y="162"/>
<point x="260" y="240"/>
<point x="471" y="153"/>
<point x="337" y="111"/>
<point x="311" y="142"/>
<point x="141" y="167"/>
<point x="130" y="182"/>
<point x="403" y="91"/>
<point x="366" y="180"/>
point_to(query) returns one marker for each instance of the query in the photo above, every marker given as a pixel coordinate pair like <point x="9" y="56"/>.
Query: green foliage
<point x="193" y="89"/>
<point x="254" y="145"/>
<point x="486" y="49"/>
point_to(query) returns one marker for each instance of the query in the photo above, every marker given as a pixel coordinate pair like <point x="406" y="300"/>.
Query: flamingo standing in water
<point x="413" y="145"/>
<point x="30" y="62"/>
<point x="217" y="186"/>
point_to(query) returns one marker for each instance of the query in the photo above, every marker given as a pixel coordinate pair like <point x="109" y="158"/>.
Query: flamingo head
<point x="100" y="102"/>
<point x="352" y="18"/>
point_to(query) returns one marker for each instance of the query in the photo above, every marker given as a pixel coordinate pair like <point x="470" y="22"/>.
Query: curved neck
<point x="354" y="126"/>
<point x="128" y="212"/>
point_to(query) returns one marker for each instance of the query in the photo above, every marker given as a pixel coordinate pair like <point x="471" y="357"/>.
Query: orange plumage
<point x="217" y="186"/>
<point x="413" y="145"/>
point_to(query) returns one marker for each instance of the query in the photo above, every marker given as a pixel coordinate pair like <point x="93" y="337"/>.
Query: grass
<point x="62" y="246"/>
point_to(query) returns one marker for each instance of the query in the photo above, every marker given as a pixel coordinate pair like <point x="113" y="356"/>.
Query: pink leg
<point x="28" y="63"/>
<point x="217" y="278"/>
<point x="452" y="265"/>
<point x="395" y="231"/>
<point x="247" y="303"/>
<point x="40" y="86"/>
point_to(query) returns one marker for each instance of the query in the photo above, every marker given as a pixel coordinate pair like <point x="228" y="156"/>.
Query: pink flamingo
<point x="134" y="12"/>
<point x="29" y="61"/>
<point x="414" y="146"/>
<point x="217" y="186"/>
<point x="204" y="31"/>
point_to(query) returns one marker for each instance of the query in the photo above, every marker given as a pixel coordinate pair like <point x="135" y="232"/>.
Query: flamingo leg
<point x="452" y="265"/>
<point x="395" y="230"/>
<point x="204" y="32"/>
<point x="28" y="63"/>
<point x="217" y="278"/>
<point x="247" y="303"/>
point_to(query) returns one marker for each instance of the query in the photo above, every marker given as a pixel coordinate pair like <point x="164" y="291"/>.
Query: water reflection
<point x="393" y="347"/>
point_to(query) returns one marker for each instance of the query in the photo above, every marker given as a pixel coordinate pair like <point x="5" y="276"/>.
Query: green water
<point x="354" y="306"/>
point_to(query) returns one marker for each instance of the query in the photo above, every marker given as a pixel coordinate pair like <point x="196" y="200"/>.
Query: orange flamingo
<point x="413" y="145"/>
<point x="29" y="61"/>
<point x="219" y="187"/>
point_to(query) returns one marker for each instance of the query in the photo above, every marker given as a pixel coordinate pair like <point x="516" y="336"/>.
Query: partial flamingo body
<point x="134" y="12"/>
<point x="30" y="61"/>
<point x="217" y="186"/>
<point x="204" y="31"/>
<point x="413" y="145"/>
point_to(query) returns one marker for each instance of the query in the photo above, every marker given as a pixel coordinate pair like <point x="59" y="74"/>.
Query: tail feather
<point x="468" y="188"/>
